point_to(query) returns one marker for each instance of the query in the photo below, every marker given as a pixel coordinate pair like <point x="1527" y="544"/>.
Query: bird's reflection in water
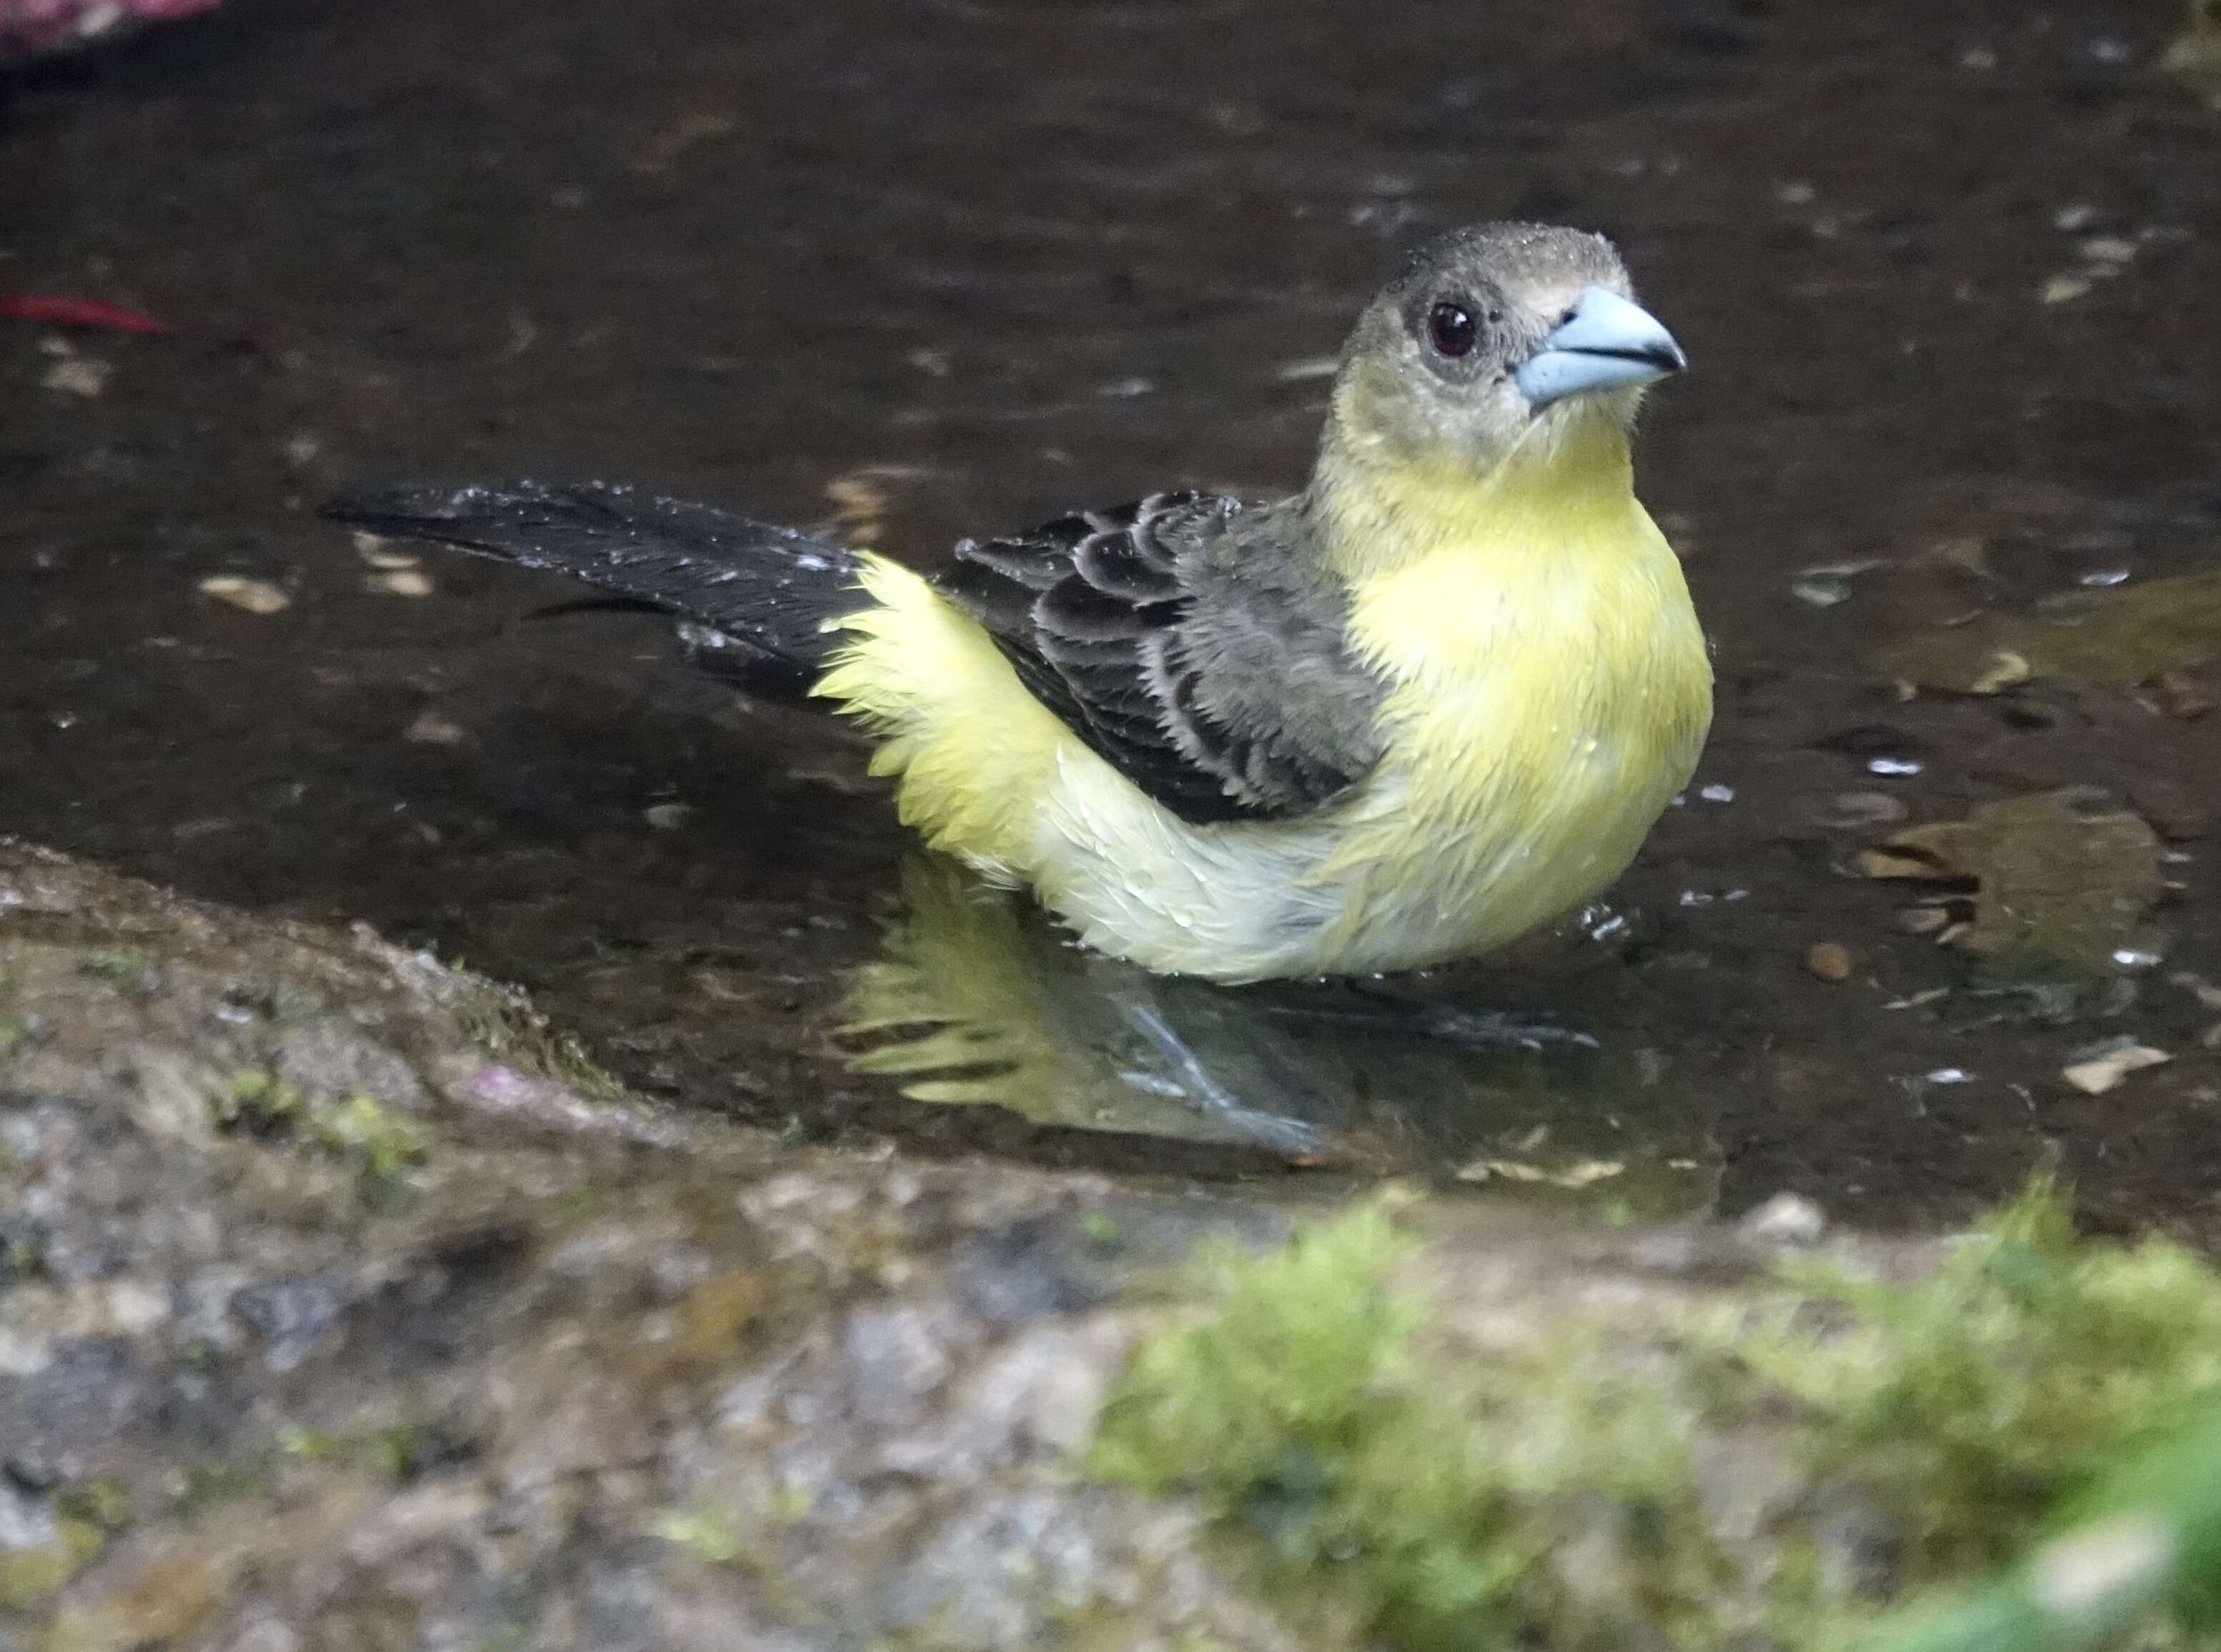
<point x="976" y="998"/>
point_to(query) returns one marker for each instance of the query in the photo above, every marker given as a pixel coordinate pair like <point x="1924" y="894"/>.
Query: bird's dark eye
<point x="1451" y="329"/>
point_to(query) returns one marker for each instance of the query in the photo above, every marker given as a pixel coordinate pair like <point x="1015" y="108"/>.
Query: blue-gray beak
<point x="1604" y="342"/>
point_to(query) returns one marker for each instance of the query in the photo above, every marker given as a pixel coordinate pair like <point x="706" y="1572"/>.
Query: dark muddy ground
<point x="1947" y="272"/>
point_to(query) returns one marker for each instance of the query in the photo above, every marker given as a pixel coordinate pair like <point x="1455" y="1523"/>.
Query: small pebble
<point x="376" y="550"/>
<point x="430" y="729"/>
<point x="1786" y="1219"/>
<point x="1848" y="809"/>
<point x="400" y="582"/>
<point x="2065" y="288"/>
<point x="668" y="817"/>
<point x="1829" y="960"/>
<point x="861" y="504"/>
<point x="1822" y="592"/>
<point x="78" y="375"/>
<point x="2098" y="1068"/>
<point x="251" y="596"/>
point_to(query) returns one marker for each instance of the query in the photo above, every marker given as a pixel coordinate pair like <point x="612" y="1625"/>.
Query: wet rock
<point x="752" y="1397"/>
<point x="578" y="1371"/>
<point x="290" y="1316"/>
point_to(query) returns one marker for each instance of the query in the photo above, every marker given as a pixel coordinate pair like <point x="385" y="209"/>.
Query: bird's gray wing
<point x="1221" y="693"/>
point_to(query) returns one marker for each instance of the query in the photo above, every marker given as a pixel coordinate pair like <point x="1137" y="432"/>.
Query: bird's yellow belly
<point x="1443" y="864"/>
<point x="1526" y="765"/>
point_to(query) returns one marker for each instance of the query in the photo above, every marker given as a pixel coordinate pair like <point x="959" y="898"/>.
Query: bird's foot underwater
<point x="1452" y="1024"/>
<point x="1195" y="1081"/>
<point x="1501" y="1029"/>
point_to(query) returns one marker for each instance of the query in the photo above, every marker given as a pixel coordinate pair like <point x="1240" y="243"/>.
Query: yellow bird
<point x="1433" y="700"/>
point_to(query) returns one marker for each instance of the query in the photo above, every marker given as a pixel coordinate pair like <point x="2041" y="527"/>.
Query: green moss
<point x="1973" y="1399"/>
<point x="381" y="1141"/>
<point x="504" y="1024"/>
<point x="1291" y="1365"/>
<point x="30" y="1576"/>
<point x="716" y="1538"/>
<point x="256" y="1100"/>
<point x="21" y="1253"/>
<point x="119" y="966"/>
<point x="309" y="1445"/>
<point x="709" y="1536"/>
<point x="399" y="1452"/>
<point x="224" y="1479"/>
<point x="1550" y="1497"/>
<point x="2136" y="1562"/>
<point x="101" y="1503"/>
<point x="1301" y="1415"/>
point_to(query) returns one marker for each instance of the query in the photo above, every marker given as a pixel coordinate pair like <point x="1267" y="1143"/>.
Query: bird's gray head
<point x="1491" y="337"/>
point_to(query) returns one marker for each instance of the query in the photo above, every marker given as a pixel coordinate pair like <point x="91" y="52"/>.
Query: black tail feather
<point x="596" y="605"/>
<point x="763" y="593"/>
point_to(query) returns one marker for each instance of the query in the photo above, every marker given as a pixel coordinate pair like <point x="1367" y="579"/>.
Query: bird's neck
<point x="1380" y="509"/>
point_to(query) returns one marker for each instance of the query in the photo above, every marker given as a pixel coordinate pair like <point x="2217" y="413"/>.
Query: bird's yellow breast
<point x="1550" y="693"/>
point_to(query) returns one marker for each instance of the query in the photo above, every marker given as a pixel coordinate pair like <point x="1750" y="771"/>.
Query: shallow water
<point x="1947" y="272"/>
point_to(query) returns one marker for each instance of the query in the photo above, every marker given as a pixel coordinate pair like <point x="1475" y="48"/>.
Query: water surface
<point x="1947" y="272"/>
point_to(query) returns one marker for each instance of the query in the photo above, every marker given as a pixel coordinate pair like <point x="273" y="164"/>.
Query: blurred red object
<point x="31" y="29"/>
<point x="58" y="311"/>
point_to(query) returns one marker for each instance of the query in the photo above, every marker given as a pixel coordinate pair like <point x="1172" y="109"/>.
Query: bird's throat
<point x="1380" y="510"/>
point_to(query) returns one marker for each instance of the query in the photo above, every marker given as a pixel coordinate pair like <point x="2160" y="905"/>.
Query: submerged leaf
<point x="2058" y="874"/>
<point x="2195" y="56"/>
<point x="2113" y="638"/>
